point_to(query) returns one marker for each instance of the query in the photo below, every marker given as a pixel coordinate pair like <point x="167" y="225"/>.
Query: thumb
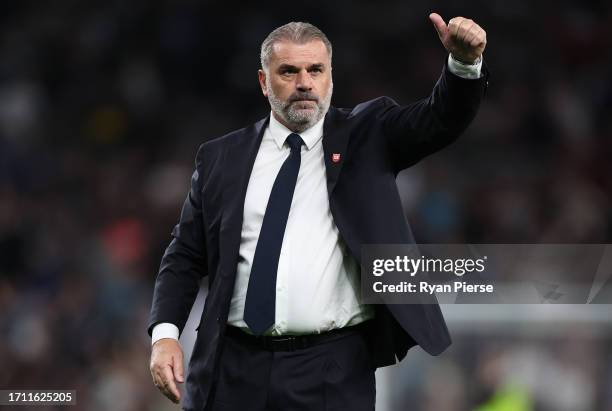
<point x="439" y="24"/>
<point x="177" y="368"/>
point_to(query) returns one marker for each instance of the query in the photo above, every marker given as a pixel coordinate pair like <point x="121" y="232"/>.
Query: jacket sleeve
<point x="416" y="130"/>
<point x="184" y="262"/>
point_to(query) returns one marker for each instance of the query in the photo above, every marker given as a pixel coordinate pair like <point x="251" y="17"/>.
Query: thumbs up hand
<point x="463" y="38"/>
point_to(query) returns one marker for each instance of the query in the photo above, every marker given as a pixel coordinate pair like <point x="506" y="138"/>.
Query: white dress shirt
<point x="317" y="283"/>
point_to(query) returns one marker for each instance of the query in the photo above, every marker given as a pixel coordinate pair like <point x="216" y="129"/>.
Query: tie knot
<point x="295" y="142"/>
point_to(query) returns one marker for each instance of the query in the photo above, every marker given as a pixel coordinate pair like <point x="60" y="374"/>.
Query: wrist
<point x="165" y="340"/>
<point x="463" y="61"/>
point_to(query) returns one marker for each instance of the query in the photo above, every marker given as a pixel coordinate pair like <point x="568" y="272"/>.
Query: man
<point x="276" y="216"/>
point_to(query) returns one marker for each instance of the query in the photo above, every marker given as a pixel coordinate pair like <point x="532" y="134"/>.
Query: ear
<point x="262" y="81"/>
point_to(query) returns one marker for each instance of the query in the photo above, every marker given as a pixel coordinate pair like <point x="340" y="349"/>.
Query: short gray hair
<point x="297" y="32"/>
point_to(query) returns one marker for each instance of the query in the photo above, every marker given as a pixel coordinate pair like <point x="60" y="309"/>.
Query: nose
<point x="303" y="81"/>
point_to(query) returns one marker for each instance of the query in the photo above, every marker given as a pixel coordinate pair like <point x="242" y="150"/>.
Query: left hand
<point x="463" y="38"/>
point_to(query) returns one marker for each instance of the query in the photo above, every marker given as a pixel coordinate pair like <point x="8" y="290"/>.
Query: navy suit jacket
<point x="376" y="140"/>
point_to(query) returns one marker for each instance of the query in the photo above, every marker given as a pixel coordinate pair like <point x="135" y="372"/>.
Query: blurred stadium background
<point x="102" y="108"/>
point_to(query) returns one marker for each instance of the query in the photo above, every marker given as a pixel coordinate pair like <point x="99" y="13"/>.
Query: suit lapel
<point x="335" y="141"/>
<point x="239" y="159"/>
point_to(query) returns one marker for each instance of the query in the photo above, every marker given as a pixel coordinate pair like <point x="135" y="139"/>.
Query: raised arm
<point x="425" y="126"/>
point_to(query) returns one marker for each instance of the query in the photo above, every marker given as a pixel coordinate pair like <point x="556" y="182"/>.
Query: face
<point x="298" y="83"/>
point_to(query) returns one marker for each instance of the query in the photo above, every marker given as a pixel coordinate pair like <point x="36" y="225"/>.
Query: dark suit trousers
<point x="334" y="375"/>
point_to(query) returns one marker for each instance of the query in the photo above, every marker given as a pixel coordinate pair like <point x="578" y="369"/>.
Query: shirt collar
<point x="311" y="136"/>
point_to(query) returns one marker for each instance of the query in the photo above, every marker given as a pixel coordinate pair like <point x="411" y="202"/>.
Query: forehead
<point x="288" y="52"/>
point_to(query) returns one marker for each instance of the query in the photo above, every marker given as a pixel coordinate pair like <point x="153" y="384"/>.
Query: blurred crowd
<point x="103" y="106"/>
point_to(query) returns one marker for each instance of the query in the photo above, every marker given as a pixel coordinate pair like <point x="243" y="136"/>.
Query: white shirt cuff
<point x="467" y="71"/>
<point x="164" y="330"/>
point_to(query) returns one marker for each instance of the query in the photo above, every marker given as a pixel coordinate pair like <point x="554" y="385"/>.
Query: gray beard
<point x="299" y="120"/>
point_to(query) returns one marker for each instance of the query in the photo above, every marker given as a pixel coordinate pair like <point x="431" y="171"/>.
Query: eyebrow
<point x="291" y="67"/>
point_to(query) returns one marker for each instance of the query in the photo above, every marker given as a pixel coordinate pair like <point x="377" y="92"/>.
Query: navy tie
<point x="259" y="307"/>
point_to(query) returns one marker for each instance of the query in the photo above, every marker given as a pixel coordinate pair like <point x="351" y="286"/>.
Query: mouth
<point x="306" y="103"/>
